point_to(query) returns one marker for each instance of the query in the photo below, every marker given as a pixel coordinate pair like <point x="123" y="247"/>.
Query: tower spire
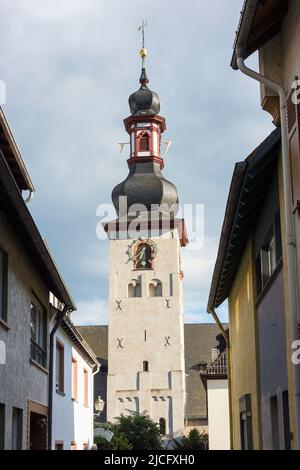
<point x="143" y="53"/>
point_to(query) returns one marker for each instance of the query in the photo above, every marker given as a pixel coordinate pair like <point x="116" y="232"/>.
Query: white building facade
<point x="218" y="414"/>
<point x="146" y="371"/>
<point x="73" y="390"/>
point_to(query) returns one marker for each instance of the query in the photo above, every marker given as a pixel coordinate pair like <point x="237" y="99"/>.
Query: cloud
<point x="69" y="68"/>
<point x="90" y="312"/>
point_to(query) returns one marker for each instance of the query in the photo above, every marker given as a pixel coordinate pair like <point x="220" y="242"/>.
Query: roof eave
<point x="243" y="31"/>
<point x="50" y="272"/>
<point x="15" y="150"/>
<point x="77" y="339"/>
<point x="259" y="22"/>
<point x="228" y="241"/>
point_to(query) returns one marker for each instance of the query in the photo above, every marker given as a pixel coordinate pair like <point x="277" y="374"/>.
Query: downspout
<point x="226" y="337"/>
<point x="59" y="319"/>
<point x="29" y="197"/>
<point x="93" y="382"/>
<point x="290" y="234"/>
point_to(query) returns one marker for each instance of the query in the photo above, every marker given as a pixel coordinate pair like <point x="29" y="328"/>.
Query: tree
<point x="193" y="441"/>
<point x="117" y="443"/>
<point x="140" y="432"/>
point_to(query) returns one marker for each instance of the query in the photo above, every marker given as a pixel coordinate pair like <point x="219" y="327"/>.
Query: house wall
<point x="243" y="352"/>
<point x="279" y="58"/>
<point x="72" y="420"/>
<point x="218" y="415"/>
<point x="282" y="52"/>
<point x="20" y="380"/>
<point x="271" y="327"/>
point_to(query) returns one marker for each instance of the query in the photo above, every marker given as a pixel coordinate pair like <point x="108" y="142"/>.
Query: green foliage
<point x="193" y="441"/>
<point x="101" y="443"/>
<point x="140" y="432"/>
<point x="117" y="443"/>
<point x="121" y="443"/>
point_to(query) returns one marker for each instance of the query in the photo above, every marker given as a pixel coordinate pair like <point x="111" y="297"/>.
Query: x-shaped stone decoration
<point x="167" y="340"/>
<point x="168" y="303"/>
<point x="118" y="304"/>
<point x="120" y="343"/>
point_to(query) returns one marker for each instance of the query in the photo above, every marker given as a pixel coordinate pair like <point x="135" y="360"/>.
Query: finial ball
<point x="143" y="52"/>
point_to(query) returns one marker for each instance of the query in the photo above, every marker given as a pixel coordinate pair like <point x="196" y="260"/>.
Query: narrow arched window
<point x="162" y="426"/>
<point x="158" y="289"/>
<point x="144" y="143"/>
<point x="134" y="289"/>
<point x="155" y="288"/>
<point x="145" y="366"/>
<point x="131" y="290"/>
<point x="152" y="290"/>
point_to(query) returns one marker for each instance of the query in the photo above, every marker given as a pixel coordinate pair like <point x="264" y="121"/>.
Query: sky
<point x="69" y="67"/>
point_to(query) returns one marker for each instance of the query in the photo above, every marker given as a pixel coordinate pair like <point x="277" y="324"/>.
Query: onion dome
<point x="144" y="101"/>
<point x="146" y="185"/>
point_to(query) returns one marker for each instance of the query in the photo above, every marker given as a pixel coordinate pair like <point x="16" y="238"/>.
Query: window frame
<point x="85" y="387"/>
<point x="60" y="367"/>
<point x="59" y="445"/>
<point x="162" y="426"/>
<point x="269" y="256"/>
<point x="17" y="428"/>
<point x="74" y="379"/>
<point x="2" y="425"/>
<point x="38" y="352"/>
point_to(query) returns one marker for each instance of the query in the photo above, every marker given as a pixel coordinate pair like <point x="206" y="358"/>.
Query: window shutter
<point x="293" y="125"/>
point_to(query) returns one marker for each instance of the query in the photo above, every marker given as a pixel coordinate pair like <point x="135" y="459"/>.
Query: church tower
<point x="145" y="334"/>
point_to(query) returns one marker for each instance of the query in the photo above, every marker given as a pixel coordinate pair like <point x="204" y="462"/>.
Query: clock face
<point x="142" y="253"/>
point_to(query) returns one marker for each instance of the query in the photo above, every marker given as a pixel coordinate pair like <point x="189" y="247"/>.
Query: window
<point x="3" y="284"/>
<point x="2" y="426"/>
<point x="145" y="366"/>
<point x="274" y="422"/>
<point x="17" y="429"/>
<point x="162" y="426"/>
<point x="246" y="422"/>
<point x="59" y="445"/>
<point x="286" y="420"/>
<point x="103" y="369"/>
<point x="134" y="288"/>
<point x="60" y="359"/>
<point x="74" y="379"/>
<point x="155" y="288"/>
<point x="38" y="333"/>
<point x="86" y="387"/>
<point x="270" y="255"/>
<point x="143" y="140"/>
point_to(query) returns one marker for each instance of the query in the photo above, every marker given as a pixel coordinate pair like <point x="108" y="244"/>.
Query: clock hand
<point x="141" y="253"/>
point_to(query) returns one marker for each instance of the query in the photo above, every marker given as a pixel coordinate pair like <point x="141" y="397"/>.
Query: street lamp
<point x="99" y="405"/>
